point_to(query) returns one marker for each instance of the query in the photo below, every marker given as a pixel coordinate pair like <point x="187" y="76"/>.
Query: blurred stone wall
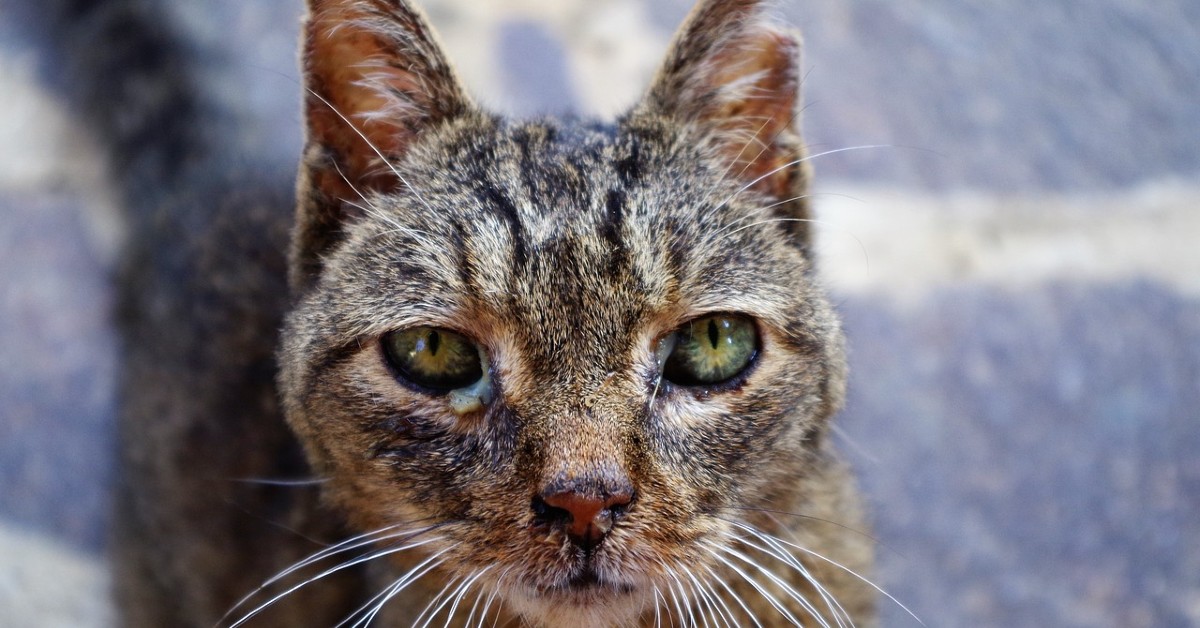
<point x="1018" y="270"/>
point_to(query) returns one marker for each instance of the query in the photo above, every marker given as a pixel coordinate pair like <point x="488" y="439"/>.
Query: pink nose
<point x="585" y="515"/>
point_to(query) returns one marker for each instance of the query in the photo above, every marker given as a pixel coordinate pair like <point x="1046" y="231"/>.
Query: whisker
<point x="657" y="383"/>
<point x="748" y="144"/>
<point x="352" y="543"/>
<point x="860" y="577"/>
<point x="736" y="598"/>
<point x="657" y="610"/>
<point x="675" y="596"/>
<point x="771" y="599"/>
<point x="331" y="570"/>
<point x="787" y="558"/>
<point x="843" y="568"/>
<point x="697" y="604"/>
<point x="475" y="608"/>
<point x="465" y="588"/>
<point x="798" y="515"/>
<point x="368" y="538"/>
<point x="456" y="581"/>
<point x="759" y="210"/>
<point x="660" y="360"/>
<point x="791" y="591"/>
<point x="703" y="597"/>
<point x="377" y="602"/>
<point x="726" y="612"/>
<point x="273" y="482"/>
<point x="487" y="606"/>
<point x="689" y="605"/>
<point x="371" y="145"/>
<point x="363" y="197"/>
<point x="765" y="145"/>
<point x="795" y="162"/>
<point x="783" y="554"/>
<point x="783" y="129"/>
<point x="369" y="209"/>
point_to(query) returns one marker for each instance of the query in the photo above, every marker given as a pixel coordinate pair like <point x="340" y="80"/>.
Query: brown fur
<point x="566" y="250"/>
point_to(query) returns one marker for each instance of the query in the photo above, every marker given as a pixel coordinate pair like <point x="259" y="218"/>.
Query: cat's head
<point x="563" y="355"/>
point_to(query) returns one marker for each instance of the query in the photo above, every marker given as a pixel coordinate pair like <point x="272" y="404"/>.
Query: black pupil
<point x="714" y="334"/>
<point x="435" y="339"/>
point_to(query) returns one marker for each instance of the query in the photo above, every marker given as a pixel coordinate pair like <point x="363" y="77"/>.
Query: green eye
<point x="437" y="359"/>
<point x="711" y="350"/>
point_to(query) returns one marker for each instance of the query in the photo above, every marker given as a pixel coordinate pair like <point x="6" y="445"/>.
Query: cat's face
<point x="624" y="330"/>
<point x="556" y="359"/>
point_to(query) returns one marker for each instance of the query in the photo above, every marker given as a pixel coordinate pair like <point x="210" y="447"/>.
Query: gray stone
<point x="1031" y="454"/>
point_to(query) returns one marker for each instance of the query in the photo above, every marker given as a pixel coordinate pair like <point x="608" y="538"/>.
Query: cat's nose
<point x="585" y="510"/>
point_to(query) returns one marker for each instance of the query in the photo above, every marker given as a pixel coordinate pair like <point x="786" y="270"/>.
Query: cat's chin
<point x="584" y="601"/>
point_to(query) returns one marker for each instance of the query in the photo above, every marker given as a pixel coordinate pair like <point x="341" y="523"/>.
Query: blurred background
<point x="1016" y="256"/>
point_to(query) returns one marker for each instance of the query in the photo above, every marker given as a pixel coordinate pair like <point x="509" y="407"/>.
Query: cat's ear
<point x="375" y="79"/>
<point x="735" y="75"/>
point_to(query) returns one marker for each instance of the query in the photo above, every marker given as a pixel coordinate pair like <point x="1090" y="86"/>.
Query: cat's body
<point x="590" y="461"/>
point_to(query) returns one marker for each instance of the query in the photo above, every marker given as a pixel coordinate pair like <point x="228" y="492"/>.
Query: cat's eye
<point x="710" y="350"/>
<point x="433" y="358"/>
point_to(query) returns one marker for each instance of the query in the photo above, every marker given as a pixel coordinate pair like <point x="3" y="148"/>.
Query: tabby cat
<point x="539" y="372"/>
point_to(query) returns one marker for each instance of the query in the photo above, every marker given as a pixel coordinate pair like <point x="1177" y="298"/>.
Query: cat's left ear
<point x="735" y="76"/>
<point x="375" y="81"/>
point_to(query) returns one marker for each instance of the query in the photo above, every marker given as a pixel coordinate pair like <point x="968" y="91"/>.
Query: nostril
<point x="586" y="518"/>
<point x="619" y="503"/>
<point x="545" y="514"/>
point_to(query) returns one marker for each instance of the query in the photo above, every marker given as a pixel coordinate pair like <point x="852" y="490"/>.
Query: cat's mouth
<point x="586" y="582"/>
<point x="586" y="599"/>
<point x="589" y="580"/>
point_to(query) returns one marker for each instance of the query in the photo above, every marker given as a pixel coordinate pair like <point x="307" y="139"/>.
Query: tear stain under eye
<point x="477" y="395"/>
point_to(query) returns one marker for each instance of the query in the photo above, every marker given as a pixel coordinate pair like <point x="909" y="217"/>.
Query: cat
<point x="551" y="372"/>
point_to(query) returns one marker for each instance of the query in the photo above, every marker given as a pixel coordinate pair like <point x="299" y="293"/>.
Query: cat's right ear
<point x="375" y="79"/>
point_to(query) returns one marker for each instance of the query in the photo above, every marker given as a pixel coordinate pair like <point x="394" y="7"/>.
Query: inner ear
<point x="754" y="112"/>
<point x="375" y="81"/>
<point x="375" y="78"/>
<point x="734" y="77"/>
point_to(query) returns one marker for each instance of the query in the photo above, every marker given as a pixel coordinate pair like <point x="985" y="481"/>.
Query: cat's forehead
<point x="560" y="176"/>
<point x="592" y="222"/>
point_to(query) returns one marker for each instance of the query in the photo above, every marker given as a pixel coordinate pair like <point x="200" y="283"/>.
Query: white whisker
<point x="325" y="573"/>
<point x="750" y="142"/>
<point x="459" y="583"/>
<point x="475" y="607"/>
<point x="787" y="558"/>
<point x="795" y="162"/>
<point x="686" y="601"/>
<point x="371" y="145"/>
<point x="487" y="606"/>
<point x="736" y="598"/>
<point x="697" y="604"/>
<point x="377" y="602"/>
<point x="771" y="599"/>
<point x="675" y="601"/>
<point x="730" y="616"/>
<point x="657" y="607"/>
<point x="465" y="588"/>
<point x="703" y="597"/>
<point x="368" y="538"/>
<point x="851" y="572"/>
<point x="274" y="482"/>
<point x="791" y="591"/>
